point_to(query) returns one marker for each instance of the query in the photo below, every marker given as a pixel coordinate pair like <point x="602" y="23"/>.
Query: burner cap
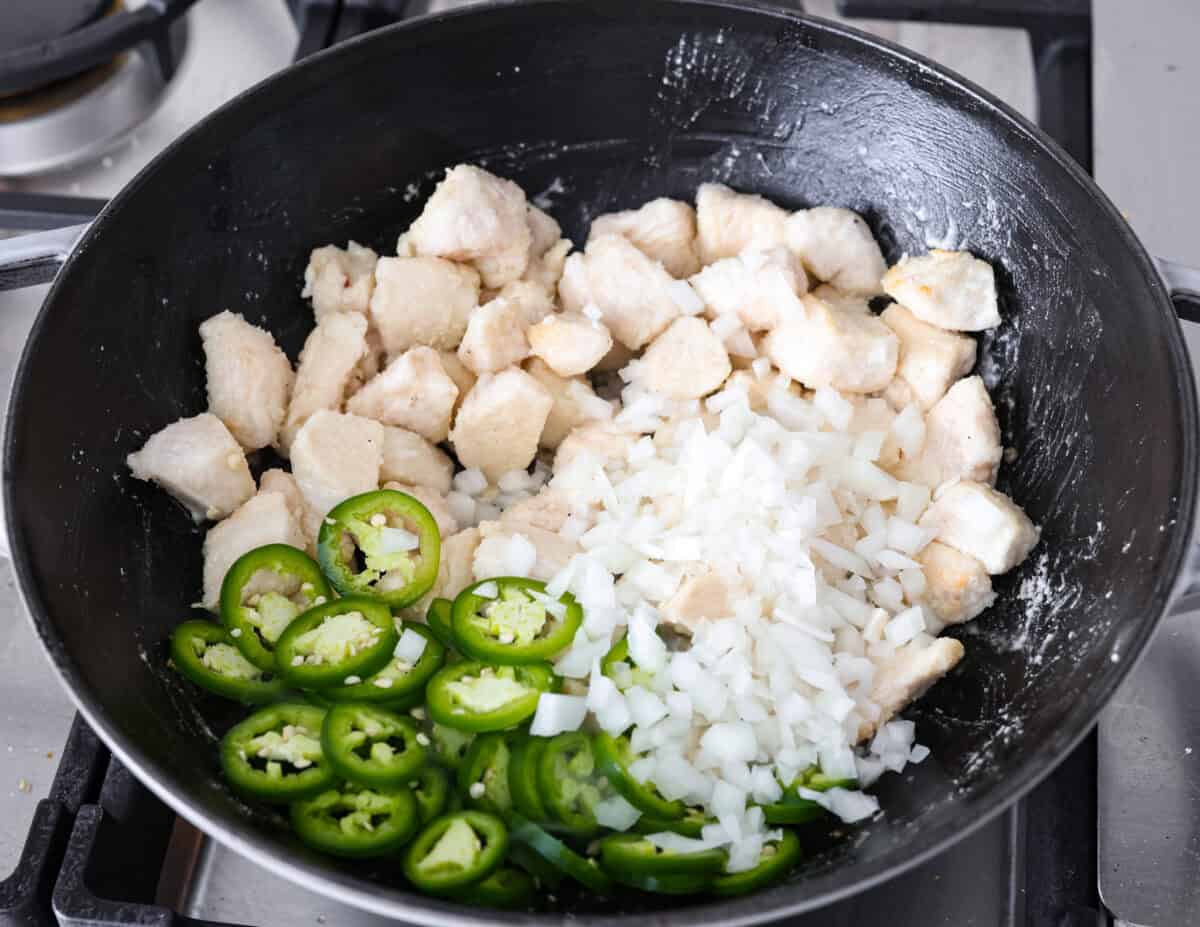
<point x="28" y="22"/>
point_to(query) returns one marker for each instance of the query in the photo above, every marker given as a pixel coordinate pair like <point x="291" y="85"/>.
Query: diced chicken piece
<point x="949" y="289"/>
<point x="409" y="458"/>
<point x="339" y="281"/>
<point x="976" y="520"/>
<point x="413" y="392"/>
<point x="962" y="439"/>
<point x="498" y="427"/>
<point x="547" y="270"/>
<point x="907" y="675"/>
<point x="600" y="439"/>
<point x="457" y="371"/>
<point x="756" y="390"/>
<point x="433" y="500"/>
<point x="422" y="300"/>
<point x="700" y="597"/>
<point x="495" y="337"/>
<point x="198" y="462"/>
<point x="454" y="570"/>
<point x="728" y="223"/>
<point x="533" y="300"/>
<point x="570" y="343"/>
<point x="308" y="518"/>
<point x="544" y="231"/>
<point x="837" y="246"/>
<point x="553" y="551"/>
<point x="547" y="510"/>
<point x="405" y="247"/>
<point x="632" y="292"/>
<point x="336" y="456"/>
<point x="574" y="290"/>
<point x="574" y="403"/>
<point x="249" y="379"/>
<point x="874" y="414"/>
<point x="327" y="364"/>
<point x="476" y="217"/>
<point x="616" y="358"/>
<point x="663" y="229"/>
<point x="374" y="359"/>
<point x="265" y="519"/>
<point x="762" y="288"/>
<point x="931" y="359"/>
<point x="686" y="361"/>
<point x="849" y="351"/>
<point x="841" y="300"/>
<point x="957" y="587"/>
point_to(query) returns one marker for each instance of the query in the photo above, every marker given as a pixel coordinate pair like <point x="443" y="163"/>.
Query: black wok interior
<point x="591" y="107"/>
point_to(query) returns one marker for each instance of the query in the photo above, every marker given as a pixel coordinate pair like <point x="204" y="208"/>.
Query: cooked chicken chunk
<point x="553" y="550"/>
<point x="499" y="424"/>
<point x="663" y="229"/>
<point x="982" y="523"/>
<point x="534" y="301"/>
<point x="850" y="351"/>
<point x="544" y="231"/>
<point x="837" y="246"/>
<point x="198" y="462"/>
<point x="574" y="289"/>
<point x="336" y="456"/>
<point x="686" y="361"/>
<point x="907" y="675"/>
<point x="728" y="222"/>
<point x="433" y="500"/>
<point x="704" y="595"/>
<point x="547" y="510"/>
<point x="327" y="364"/>
<point x="457" y="371"/>
<point x="409" y="458"/>
<point x="249" y="379"/>
<point x="957" y="587"/>
<point x="632" y="292"/>
<point x="413" y="392"/>
<point x="762" y="288"/>
<point x="949" y="289"/>
<point x="574" y="403"/>
<point x="479" y="218"/>
<point x="841" y="300"/>
<point x="931" y="359"/>
<point x="547" y="270"/>
<point x="422" y="300"/>
<point x="570" y="343"/>
<point x="600" y="439"/>
<point x="339" y="281"/>
<point x="495" y="337"/>
<point x="264" y="519"/>
<point x="308" y="518"/>
<point x="962" y="439"/>
<point x="454" y="571"/>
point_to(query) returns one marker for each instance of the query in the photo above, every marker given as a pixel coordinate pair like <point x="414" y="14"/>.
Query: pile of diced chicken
<point x="733" y="331"/>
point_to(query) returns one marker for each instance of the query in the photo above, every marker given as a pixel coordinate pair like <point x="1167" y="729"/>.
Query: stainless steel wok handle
<point x="28" y="260"/>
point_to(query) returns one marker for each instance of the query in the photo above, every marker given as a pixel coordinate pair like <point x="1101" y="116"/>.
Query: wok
<point x="595" y="106"/>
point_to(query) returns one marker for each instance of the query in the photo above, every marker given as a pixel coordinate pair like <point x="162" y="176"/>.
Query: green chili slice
<point x="438" y="619"/>
<point x="519" y="624"/>
<point x="383" y="544"/>
<point x="523" y="786"/>
<point x="263" y="592"/>
<point x="205" y="653"/>
<point x="506" y="888"/>
<point x="631" y="856"/>
<point x="275" y="755"/>
<point x="558" y="854"/>
<point x="474" y="697"/>
<point x="399" y="683"/>
<point x="614" y="755"/>
<point x="776" y="860"/>
<point x="356" y="822"/>
<point x="450" y="744"/>
<point x="336" y="644"/>
<point x="570" y="783"/>
<point x="483" y="776"/>
<point x="371" y="746"/>
<point x="456" y="850"/>
<point x="431" y="788"/>
<point x="792" y="809"/>
<point x="690" y="825"/>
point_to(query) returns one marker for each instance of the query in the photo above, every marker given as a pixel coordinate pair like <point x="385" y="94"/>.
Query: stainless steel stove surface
<point x="1035" y="865"/>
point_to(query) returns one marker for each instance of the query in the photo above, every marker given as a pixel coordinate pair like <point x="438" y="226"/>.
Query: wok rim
<point x="794" y="898"/>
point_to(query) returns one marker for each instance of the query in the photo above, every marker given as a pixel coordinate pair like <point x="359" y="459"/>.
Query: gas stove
<point x="86" y="844"/>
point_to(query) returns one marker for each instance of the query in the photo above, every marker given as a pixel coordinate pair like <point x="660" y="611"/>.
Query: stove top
<point x="86" y="844"/>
